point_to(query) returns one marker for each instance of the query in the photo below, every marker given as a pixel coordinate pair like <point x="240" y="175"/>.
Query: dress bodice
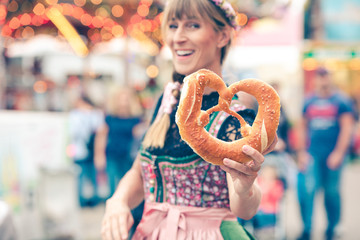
<point x="176" y="175"/>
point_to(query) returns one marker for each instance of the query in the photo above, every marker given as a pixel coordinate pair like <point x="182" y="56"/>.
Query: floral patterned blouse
<point x="176" y="175"/>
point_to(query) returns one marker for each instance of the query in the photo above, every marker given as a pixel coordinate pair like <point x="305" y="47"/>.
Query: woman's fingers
<point x="249" y="168"/>
<point x="106" y="231"/>
<point x="125" y="225"/>
<point x="256" y="156"/>
<point x="116" y="228"/>
<point x="236" y="169"/>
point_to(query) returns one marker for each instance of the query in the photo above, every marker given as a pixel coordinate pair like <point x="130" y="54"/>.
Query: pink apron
<point x="163" y="221"/>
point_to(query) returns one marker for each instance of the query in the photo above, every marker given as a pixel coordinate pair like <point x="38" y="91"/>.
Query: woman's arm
<point x="118" y="219"/>
<point x="244" y="192"/>
<point x="130" y="190"/>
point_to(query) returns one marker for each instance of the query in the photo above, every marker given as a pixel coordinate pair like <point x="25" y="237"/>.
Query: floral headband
<point x="229" y="11"/>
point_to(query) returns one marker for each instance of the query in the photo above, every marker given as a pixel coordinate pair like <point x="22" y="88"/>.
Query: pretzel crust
<point x="191" y="120"/>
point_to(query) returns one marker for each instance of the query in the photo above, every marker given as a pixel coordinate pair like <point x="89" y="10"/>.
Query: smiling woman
<point x="185" y="196"/>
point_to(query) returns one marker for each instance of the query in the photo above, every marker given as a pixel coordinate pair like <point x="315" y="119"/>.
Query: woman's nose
<point x="179" y="35"/>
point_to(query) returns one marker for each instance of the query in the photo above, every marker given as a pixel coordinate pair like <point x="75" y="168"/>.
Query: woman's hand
<point x="244" y="174"/>
<point x="244" y="194"/>
<point x="117" y="221"/>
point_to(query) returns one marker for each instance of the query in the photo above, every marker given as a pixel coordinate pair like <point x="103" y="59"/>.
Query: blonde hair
<point x="199" y="9"/>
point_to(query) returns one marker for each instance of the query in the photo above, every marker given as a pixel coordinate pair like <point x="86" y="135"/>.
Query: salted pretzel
<point x="191" y="120"/>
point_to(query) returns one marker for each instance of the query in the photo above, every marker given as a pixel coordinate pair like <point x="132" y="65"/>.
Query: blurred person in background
<point x="84" y="121"/>
<point x="185" y="196"/>
<point x="115" y="139"/>
<point x="325" y="133"/>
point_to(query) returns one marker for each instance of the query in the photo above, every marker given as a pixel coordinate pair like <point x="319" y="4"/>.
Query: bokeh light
<point x="80" y="3"/>
<point x="39" y="9"/>
<point x="40" y="86"/>
<point x="309" y="64"/>
<point x="117" y="11"/>
<point x="13" y="6"/>
<point x="152" y="71"/>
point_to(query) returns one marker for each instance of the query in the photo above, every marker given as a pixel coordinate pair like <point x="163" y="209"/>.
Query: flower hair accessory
<point x="229" y="12"/>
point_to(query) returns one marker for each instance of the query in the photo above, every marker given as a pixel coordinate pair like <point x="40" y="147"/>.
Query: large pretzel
<point x="191" y="120"/>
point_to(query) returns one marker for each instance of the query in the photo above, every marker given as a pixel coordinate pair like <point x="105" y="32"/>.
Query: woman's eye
<point x="194" y="25"/>
<point x="172" y="26"/>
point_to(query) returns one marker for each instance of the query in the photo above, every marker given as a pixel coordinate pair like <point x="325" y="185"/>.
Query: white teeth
<point x="184" y="52"/>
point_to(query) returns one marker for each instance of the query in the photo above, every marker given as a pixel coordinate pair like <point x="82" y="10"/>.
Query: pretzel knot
<point x="191" y="120"/>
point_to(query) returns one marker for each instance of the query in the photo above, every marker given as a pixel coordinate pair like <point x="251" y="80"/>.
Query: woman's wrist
<point x="116" y="200"/>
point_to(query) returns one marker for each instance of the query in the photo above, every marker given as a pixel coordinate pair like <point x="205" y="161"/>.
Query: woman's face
<point x="194" y="45"/>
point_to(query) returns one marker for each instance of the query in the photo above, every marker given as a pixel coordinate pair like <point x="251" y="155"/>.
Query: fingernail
<point x="226" y="161"/>
<point x="246" y="149"/>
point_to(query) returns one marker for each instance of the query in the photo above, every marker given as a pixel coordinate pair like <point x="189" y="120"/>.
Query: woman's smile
<point x="184" y="53"/>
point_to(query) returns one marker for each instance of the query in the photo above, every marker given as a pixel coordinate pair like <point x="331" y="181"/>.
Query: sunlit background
<point x="55" y="50"/>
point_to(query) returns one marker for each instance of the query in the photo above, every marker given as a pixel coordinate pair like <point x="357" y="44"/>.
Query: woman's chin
<point x="184" y="71"/>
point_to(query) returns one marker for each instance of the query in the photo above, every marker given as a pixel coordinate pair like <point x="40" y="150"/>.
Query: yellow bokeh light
<point x="28" y="32"/>
<point x="310" y="64"/>
<point x="152" y="71"/>
<point x="39" y="9"/>
<point x="332" y="64"/>
<point x="143" y="10"/>
<point x="146" y="24"/>
<point x="14" y="23"/>
<point x="117" y="31"/>
<point x="242" y="19"/>
<point x="105" y="35"/>
<point x="102" y="12"/>
<point x="117" y="11"/>
<point x="354" y="64"/>
<point x="51" y="2"/>
<point x="96" y="2"/>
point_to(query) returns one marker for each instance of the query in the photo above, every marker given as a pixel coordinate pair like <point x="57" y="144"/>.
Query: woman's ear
<point x="224" y="38"/>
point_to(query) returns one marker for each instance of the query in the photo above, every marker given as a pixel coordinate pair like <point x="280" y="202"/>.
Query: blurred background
<point x="55" y="52"/>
